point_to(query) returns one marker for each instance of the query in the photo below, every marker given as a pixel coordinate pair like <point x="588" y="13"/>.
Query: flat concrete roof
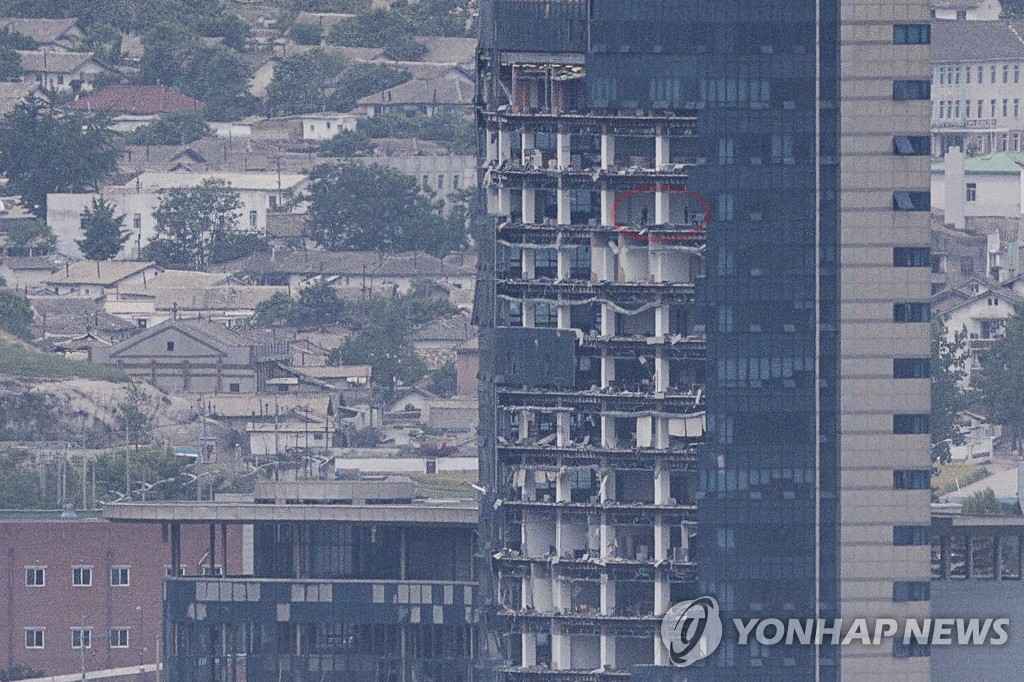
<point x="457" y="513"/>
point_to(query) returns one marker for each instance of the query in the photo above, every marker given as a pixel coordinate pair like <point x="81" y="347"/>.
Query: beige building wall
<point x="869" y="339"/>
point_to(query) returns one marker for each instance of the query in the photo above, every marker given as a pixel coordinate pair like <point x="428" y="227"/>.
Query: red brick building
<point x="67" y="582"/>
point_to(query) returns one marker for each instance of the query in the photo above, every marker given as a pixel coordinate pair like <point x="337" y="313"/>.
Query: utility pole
<point x="81" y="647"/>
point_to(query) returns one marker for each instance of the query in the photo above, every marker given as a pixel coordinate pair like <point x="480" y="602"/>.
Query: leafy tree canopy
<point x="191" y="221"/>
<point x="985" y="503"/>
<point x="370" y="207"/>
<point x="28" y="236"/>
<point x="103" y="230"/>
<point x="444" y="380"/>
<point x="362" y="79"/>
<point x="43" y="151"/>
<point x="454" y="131"/>
<point x="297" y="87"/>
<point x="15" y="314"/>
<point x="347" y="143"/>
<point x="948" y="368"/>
<point x="175" y="128"/>
<point x="317" y="305"/>
<point x="1000" y="382"/>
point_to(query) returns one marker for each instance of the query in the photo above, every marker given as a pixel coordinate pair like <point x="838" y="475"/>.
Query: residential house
<point x="359" y="273"/>
<point x="439" y="174"/>
<point x="62" y="71"/>
<point x="977" y="186"/>
<point x="341" y="376"/>
<point x="960" y="254"/>
<point x="53" y="34"/>
<point x="71" y="326"/>
<point x="467" y="367"/>
<point x="967" y="10"/>
<point x="135" y="105"/>
<point x="437" y="341"/>
<point x="981" y="306"/>
<point x="187" y="294"/>
<point x="326" y="125"/>
<point x="97" y="279"/>
<point x="195" y="356"/>
<point x="26" y="272"/>
<point x="429" y="97"/>
<point x="139" y="198"/>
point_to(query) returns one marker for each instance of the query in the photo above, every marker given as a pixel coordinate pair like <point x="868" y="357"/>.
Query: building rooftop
<point x="22" y="263"/>
<point x="959" y="41"/>
<point x="1000" y="162"/>
<point x="44" y="31"/>
<point x="137" y="99"/>
<point x="451" y="513"/>
<point x="106" y="273"/>
<point x="267" y="182"/>
<point x="13" y="94"/>
<point x="74" y="315"/>
<point x="53" y="61"/>
<point x="369" y="263"/>
<point x="446" y="91"/>
<point x="456" y="328"/>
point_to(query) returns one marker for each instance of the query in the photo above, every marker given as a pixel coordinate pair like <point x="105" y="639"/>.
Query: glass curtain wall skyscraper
<point x="811" y="291"/>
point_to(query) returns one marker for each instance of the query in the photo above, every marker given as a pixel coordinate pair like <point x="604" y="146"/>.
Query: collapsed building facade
<point x="611" y="131"/>
<point x="592" y="355"/>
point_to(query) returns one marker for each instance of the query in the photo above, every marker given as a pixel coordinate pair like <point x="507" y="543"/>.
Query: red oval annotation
<point x="644" y="235"/>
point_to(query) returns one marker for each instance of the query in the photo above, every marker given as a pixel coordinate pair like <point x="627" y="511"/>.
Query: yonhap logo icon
<point x="691" y="631"/>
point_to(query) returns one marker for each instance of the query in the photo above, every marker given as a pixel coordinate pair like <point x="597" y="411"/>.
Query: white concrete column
<point x="662" y="487"/>
<point x="607" y="541"/>
<point x="602" y="260"/>
<point x="662" y="596"/>
<point x="563" y="493"/>
<point x="661" y="149"/>
<point x="661" y="540"/>
<point x="607" y="320"/>
<point x="607" y="595"/>
<point x="607" y="150"/>
<point x="608" y="436"/>
<point x="529" y="485"/>
<point x="529" y="649"/>
<point x="563" y="149"/>
<point x="524" y="425"/>
<point x="561" y="658"/>
<point x="492" y="145"/>
<point x="662" y="320"/>
<point x="529" y="264"/>
<point x="561" y="429"/>
<point x="661" y="435"/>
<point x="564" y="260"/>
<point x="528" y="314"/>
<point x="504" y="145"/>
<point x="607" y="650"/>
<point x="607" y="202"/>
<point x="661" y="374"/>
<point x="564" y="207"/>
<point x="504" y="201"/>
<point x="529" y="144"/>
<point x="564" y="316"/>
<point x="529" y="206"/>
<point x="660" y="652"/>
<point x="661" y="212"/>
<point x="607" y="370"/>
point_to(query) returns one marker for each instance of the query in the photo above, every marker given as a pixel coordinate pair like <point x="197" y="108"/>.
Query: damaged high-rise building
<point x="703" y="298"/>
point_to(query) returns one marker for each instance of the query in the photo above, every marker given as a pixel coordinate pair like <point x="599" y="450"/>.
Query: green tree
<point x="19" y="672"/>
<point x="104" y="232"/>
<point x="384" y="344"/>
<point x="370" y="207"/>
<point x="190" y="221"/>
<point x="426" y="302"/>
<point x="43" y="151"/>
<point x="404" y="48"/>
<point x="15" y="314"/>
<point x="444" y="380"/>
<point x="276" y="311"/>
<point x="317" y="305"/>
<point x="347" y="143"/>
<point x="983" y="503"/>
<point x="232" y="28"/>
<point x="235" y="244"/>
<point x="10" y="64"/>
<point x="454" y="131"/>
<point x="180" y="127"/>
<point x="1000" y="383"/>
<point x="948" y="368"/>
<point x="306" y="34"/>
<point x="28" y="236"/>
<point x="362" y="79"/>
<point x="135" y="415"/>
<point x="298" y="83"/>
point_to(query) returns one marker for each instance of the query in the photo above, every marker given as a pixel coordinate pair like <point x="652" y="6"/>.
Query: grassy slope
<point x="949" y="474"/>
<point x="18" y="359"/>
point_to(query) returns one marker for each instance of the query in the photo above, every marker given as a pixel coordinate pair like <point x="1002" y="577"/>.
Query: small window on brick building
<point x="120" y="576"/>
<point x="81" y="576"/>
<point x="35" y="576"/>
<point x="170" y="346"/>
<point x="234" y="388"/>
<point x="34" y="638"/>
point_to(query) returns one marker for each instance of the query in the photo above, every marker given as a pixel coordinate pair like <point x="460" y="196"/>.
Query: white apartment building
<point x="977" y="86"/>
<point x="968" y="10"/>
<point x="138" y="200"/>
